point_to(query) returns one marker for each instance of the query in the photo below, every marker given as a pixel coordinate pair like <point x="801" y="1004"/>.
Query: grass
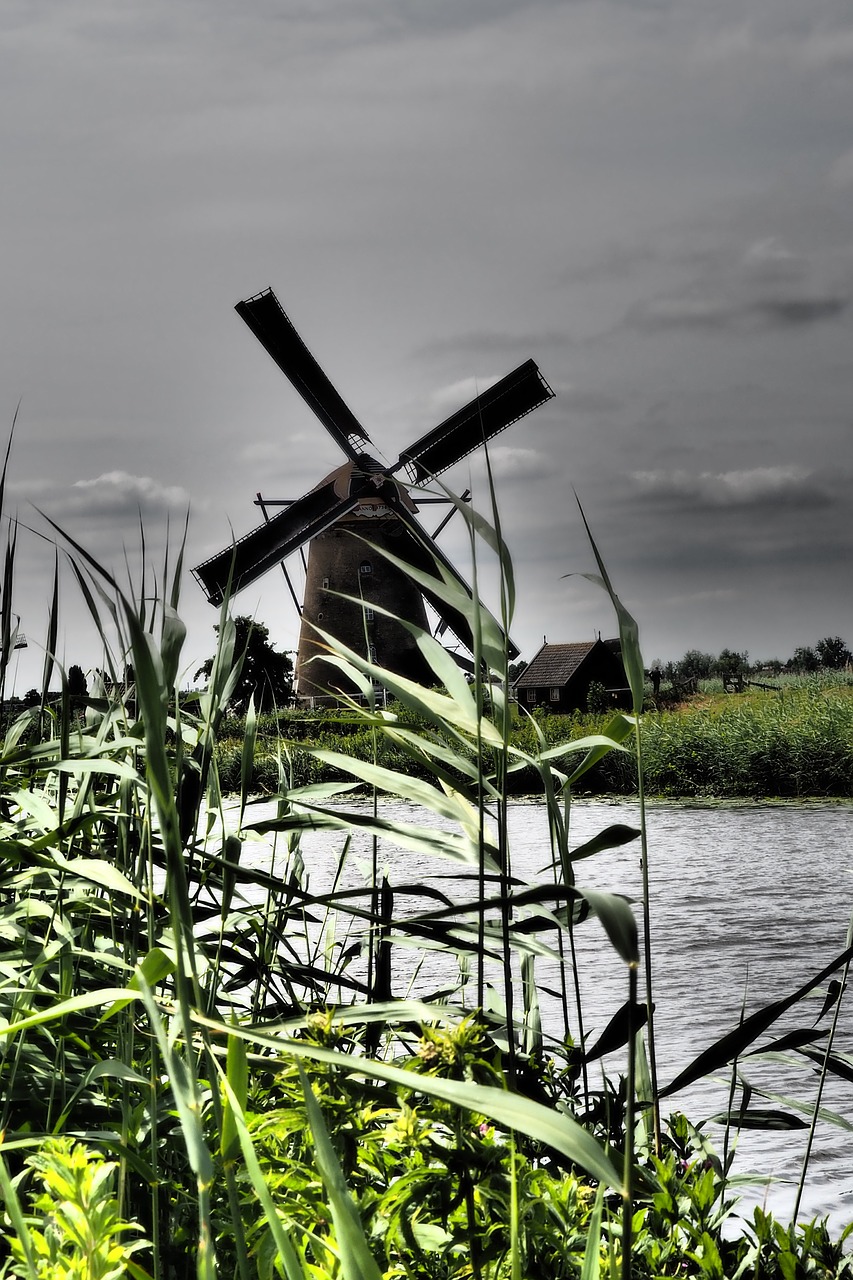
<point x="202" y="1070"/>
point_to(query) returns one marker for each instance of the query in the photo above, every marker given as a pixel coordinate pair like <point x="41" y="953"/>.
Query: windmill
<point x="364" y="498"/>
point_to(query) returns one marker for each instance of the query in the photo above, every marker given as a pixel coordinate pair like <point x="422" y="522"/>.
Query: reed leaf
<point x="591" y="1268"/>
<point x="293" y="1269"/>
<point x="734" y="1043"/>
<point x="426" y="840"/>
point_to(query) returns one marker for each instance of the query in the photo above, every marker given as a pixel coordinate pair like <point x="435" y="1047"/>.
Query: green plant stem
<point x="630" y="1112"/>
<point x="822" y="1081"/>
<point x="647" y="935"/>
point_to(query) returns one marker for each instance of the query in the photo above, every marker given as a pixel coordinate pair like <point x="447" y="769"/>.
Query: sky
<point x="652" y="198"/>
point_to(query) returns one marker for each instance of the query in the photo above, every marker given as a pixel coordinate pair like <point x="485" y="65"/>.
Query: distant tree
<point x="32" y="698"/>
<point x="730" y="665"/>
<point x="832" y="652"/>
<point x="515" y="669"/>
<point x="266" y="674"/>
<point x="695" y="665"/>
<point x="804" y="660"/>
<point x="77" y="687"/>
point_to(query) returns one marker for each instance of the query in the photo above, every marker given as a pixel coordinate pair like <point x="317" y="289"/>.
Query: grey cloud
<point x="768" y="287"/>
<point x="784" y="312"/>
<point x="106" y="497"/>
<point x="753" y="487"/>
<point x="518" y="464"/>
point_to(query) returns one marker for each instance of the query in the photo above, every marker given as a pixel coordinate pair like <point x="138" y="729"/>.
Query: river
<point x="747" y="903"/>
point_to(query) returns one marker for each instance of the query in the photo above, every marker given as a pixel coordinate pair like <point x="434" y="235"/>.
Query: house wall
<point x="600" y="665"/>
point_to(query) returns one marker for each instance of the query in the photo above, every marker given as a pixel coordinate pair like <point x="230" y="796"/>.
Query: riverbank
<point x="794" y="743"/>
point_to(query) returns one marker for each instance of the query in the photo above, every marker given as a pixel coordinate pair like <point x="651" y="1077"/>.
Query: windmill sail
<point x="373" y="609"/>
<point x="266" y="318"/>
<point x="263" y="548"/>
<point x="499" y="407"/>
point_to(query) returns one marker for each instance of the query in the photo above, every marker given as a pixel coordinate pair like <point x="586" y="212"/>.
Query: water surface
<point x="747" y="903"/>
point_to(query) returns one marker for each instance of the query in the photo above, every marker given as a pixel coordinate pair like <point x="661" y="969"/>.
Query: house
<point x="560" y="675"/>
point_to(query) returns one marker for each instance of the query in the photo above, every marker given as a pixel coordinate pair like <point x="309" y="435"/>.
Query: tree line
<point x="829" y="654"/>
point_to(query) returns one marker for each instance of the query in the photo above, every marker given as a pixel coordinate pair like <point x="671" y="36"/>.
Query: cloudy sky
<point x="653" y="199"/>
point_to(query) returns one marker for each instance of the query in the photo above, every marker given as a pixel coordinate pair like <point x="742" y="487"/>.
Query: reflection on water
<point x="747" y="903"/>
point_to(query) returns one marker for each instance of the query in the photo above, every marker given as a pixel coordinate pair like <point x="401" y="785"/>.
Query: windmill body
<point x="349" y="585"/>
<point x="359" y="503"/>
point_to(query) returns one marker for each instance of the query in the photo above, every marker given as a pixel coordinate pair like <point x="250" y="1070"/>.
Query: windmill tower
<point x="362" y="499"/>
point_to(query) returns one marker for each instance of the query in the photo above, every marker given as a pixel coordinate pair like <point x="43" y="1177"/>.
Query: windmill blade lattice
<point x="266" y="317"/>
<point x="513" y="397"/>
<point x="263" y="548"/>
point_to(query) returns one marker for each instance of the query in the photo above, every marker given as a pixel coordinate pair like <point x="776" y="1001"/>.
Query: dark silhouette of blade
<point x="258" y="551"/>
<point x="266" y="318"/>
<point x="512" y="398"/>
<point x="411" y="543"/>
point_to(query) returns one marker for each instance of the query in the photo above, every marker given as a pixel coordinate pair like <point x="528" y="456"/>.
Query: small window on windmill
<point x="373" y="653"/>
<point x="325" y="584"/>
<point x="555" y="693"/>
<point x="368" y="614"/>
<point x="365" y="568"/>
<point x="320" y="616"/>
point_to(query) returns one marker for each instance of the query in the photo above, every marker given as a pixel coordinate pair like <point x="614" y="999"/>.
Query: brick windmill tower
<point x="349" y="585"/>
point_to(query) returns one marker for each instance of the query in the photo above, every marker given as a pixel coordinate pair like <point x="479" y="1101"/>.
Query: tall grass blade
<point x="357" y="1262"/>
<point x="17" y="1218"/>
<point x="293" y="1269"/>
<point x="591" y="1268"/>
<point x="823" y="1073"/>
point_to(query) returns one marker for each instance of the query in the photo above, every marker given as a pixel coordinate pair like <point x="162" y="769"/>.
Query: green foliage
<point x="76" y="1231"/>
<point x="77" y="687"/>
<point x="805" y="660"/>
<point x="796" y="741"/>
<point x="833" y="653"/>
<point x="597" y="698"/>
<point x="265" y="676"/>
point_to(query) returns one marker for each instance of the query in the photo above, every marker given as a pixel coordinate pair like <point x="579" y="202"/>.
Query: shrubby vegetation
<point x="792" y="741"/>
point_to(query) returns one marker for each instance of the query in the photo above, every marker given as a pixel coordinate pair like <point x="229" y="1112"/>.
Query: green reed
<point x="161" y="993"/>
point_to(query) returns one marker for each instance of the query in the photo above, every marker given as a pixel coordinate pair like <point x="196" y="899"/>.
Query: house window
<point x="555" y="693"/>
<point x="365" y="568"/>
<point x="531" y="695"/>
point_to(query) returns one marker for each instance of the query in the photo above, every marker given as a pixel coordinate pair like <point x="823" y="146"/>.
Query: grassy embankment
<point x="202" y="1069"/>
<point x="794" y="742"/>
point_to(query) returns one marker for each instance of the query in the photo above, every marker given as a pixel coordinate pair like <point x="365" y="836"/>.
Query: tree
<point x="265" y="674"/>
<point x="805" y="660"/>
<point x="731" y="667"/>
<point x="76" y="682"/>
<point x="694" y="665"/>
<point x="832" y="652"/>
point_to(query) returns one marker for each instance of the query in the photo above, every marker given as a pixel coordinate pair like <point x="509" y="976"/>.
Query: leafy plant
<point x="76" y="1231"/>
